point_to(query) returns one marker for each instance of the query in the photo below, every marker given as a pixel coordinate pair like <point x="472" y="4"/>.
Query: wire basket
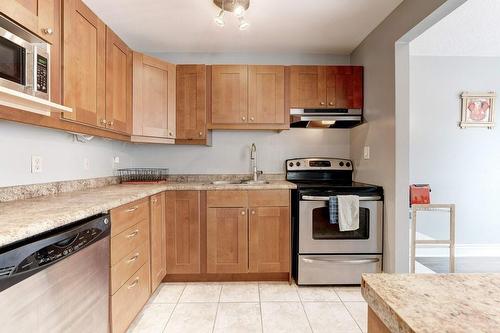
<point x="142" y="175"/>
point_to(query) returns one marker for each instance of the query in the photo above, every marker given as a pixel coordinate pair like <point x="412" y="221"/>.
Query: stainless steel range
<point x="322" y="254"/>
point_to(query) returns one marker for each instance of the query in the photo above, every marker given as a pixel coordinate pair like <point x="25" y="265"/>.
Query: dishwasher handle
<point x="324" y="198"/>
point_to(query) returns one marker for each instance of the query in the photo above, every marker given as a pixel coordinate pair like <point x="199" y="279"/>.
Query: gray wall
<point x="63" y="158"/>
<point x="462" y="165"/>
<point x="377" y="54"/>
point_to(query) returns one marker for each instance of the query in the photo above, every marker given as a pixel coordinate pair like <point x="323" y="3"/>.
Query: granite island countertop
<point x="22" y="219"/>
<point x="454" y="303"/>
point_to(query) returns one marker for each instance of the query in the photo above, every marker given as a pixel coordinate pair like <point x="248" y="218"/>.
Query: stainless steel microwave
<point x="24" y="60"/>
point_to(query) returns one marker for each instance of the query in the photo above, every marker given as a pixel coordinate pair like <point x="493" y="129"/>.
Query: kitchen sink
<point x="255" y="182"/>
<point x="239" y="182"/>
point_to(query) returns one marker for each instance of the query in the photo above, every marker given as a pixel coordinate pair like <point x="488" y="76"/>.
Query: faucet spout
<point x="253" y="159"/>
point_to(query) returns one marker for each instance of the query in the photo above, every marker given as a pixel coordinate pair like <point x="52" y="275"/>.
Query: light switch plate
<point x="366" y="152"/>
<point x="36" y="164"/>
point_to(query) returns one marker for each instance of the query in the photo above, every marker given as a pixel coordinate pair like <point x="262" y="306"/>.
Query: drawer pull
<point x="133" y="234"/>
<point x="133" y="284"/>
<point x="154" y="200"/>
<point x="133" y="209"/>
<point x="134" y="258"/>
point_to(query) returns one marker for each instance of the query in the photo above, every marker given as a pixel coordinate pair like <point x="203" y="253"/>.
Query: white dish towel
<point x="348" y="206"/>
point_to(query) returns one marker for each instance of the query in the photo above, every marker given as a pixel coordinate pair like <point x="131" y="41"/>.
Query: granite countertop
<point x="458" y="303"/>
<point x="21" y="219"/>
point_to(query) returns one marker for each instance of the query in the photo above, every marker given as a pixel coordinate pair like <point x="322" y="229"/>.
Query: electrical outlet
<point x="36" y="164"/>
<point x="366" y="153"/>
<point x="86" y="163"/>
<point x="116" y="160"/>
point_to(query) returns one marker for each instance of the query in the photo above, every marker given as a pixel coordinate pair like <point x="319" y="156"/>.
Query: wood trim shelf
<point x="18" y="100"/>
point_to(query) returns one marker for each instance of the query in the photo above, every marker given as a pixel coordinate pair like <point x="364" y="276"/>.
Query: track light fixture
<point x="237" y="7"/>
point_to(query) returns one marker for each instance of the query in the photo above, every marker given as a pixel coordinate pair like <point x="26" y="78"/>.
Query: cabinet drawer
<point x="127" y="215"/>
<point x="126" y="267"/>
<point x="227" y="199"/>
<point x="128" y="240"/>
<point x="269" y="198"/>
<point x="128" y="301"/>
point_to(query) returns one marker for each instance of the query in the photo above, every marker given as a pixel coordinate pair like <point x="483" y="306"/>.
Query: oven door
<point x="318" y="236"/>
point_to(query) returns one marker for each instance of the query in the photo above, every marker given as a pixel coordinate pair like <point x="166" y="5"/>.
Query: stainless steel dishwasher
<point x="58" y="281"/>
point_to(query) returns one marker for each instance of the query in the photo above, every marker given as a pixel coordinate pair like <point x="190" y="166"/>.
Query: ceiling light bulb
<point x="239" y="11"/>
<point x="243" y="24"/>
<point x="219" y="19"/>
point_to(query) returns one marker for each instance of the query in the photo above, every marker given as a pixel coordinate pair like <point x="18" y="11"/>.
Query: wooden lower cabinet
<point x="227" y="240"/>
<point x="183" y="232"/>
<point x="127" y="302"/>
<point x="269" y="239"/>
<point x="158" y="240"/>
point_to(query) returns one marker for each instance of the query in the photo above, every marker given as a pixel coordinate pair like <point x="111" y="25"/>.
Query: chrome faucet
<point x="253" y="160"/>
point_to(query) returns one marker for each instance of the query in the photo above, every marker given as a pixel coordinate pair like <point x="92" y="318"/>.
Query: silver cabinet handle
<point x="154" y="200"/>
<point x="342" y="261"/>
<point x="200" y="134"/>
<point x="133" y="284"/>
<point x="331" y="103"/>
<point x="130" y="210"/>
<point x="134" y="258"/>
<point x="322" y="103"/>
<point x="48" y="31"/>
<point x="243" y="212"/>
<point x="133" y="234"/>
<point x="252" y="118"/>
<point x="243" y="118"/>
<point x="319" y="198"/>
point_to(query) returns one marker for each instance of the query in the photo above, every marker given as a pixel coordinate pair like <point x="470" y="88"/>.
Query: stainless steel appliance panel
<point x="69" y="296"/>
<point x="310" y="240"/>
<point x="336" y="269"/>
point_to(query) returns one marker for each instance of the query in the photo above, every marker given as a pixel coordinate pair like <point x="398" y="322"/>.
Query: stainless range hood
<point x="325" y="118"/>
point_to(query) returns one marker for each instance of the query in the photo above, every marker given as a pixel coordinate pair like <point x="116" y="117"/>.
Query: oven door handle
<point x="317" y="198"/>
<point x="342" y="261"/>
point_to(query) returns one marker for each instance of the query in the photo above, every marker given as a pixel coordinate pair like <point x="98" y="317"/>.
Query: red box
<point x="420" y="194"/>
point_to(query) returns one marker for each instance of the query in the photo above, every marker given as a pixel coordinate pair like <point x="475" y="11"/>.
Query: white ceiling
<point x="473" y="29"/>
<point x="305" y="26"/>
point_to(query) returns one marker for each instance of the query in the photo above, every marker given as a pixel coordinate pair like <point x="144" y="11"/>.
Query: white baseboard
<point x="461" y="250"/>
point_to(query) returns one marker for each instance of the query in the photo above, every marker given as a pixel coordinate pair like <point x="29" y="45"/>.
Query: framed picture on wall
<point x="478" y="110"/>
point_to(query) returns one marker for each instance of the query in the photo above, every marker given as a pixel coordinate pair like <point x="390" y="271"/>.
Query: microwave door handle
<point x="317" y="198"/>
<point x="342" y="261"/>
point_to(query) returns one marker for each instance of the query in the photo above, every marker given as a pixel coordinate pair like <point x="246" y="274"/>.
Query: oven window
<point x="322" y="229"/>
<point x="12" y="61"/>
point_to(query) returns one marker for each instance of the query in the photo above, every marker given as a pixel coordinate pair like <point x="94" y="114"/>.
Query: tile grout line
<point x="303" y="308"/>
<point x="260" y="309"/>
<point x="175" y="307"/>
<point x="349" y="312"/>
<point x="218" y="305"/>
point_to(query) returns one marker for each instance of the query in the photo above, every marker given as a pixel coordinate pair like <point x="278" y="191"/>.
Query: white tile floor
<point x="252" y="307"/>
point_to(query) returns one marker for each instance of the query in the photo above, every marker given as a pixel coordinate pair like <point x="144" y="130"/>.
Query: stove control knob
<point x="290" y="164"/>
<point x="341" y="164"/>
<point x="348" y="164"/>
<point x="298" y="164"/>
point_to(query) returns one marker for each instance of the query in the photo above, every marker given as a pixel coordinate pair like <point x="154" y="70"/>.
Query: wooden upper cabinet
<point x="229" y="94"/>
<point x="269" y="239"/>
<point x="266" y="94"/>
<point x="227" y="240"/>
<point x="153" y="99"/>
<point x="308" y="86"/>
<point x="118" y="84"/>
<point x="191" y="102"/>
<point x="84" y="49"/>
<point x="158" y="239"/>
<point x="183" y="223"/>
<point x="326" y="87"/>
<point x="37" y="16"/>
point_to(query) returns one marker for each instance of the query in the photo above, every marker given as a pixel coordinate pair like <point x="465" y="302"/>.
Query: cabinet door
<point x="345" y="87"/>
<point x="183" y="232"/>
<point x="308" y="86"/>
<point x="84" y="50"/>
<point x="154" y="97"/>
<point x="266" y="94"/>
<point x="158" y="240"/>
<point x="191" y="102"/>
<point x="227" y="242"/>
<point x="229" y="94"/>
<point x="118" y="84"/>
<point x="35" y="15"/>
<point x="269" y="240"/>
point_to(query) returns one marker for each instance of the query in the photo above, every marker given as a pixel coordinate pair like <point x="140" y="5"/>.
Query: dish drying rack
<point x="143" y="175"/>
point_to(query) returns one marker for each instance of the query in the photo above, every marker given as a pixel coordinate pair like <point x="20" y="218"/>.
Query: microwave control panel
<point x="42" y="73"/>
